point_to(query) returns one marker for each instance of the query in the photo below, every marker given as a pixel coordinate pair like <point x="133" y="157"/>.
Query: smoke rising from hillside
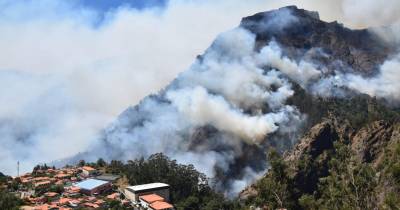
<point x="384" y="85"/>
<point x="62" y="79"/>
<point x="202" y="96"/>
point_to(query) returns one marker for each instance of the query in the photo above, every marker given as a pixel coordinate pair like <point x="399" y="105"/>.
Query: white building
<point x="133" y="192"/>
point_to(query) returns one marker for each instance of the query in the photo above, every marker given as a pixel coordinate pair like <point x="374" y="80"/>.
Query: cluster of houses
<point x="85" y="187"/>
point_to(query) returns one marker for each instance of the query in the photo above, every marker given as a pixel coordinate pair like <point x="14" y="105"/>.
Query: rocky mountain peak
<point x="302" y="32"/>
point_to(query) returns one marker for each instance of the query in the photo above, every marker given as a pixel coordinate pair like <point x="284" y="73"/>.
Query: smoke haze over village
<point x="68" y="71"/>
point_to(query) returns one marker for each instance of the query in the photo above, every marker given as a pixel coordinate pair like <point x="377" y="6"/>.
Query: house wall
<point x="130" y="195"/>
<point x="88" y="173"/>
<point x="144" y="204"/>
<point x="134" y="197"/>
<point x="100" y="189"/>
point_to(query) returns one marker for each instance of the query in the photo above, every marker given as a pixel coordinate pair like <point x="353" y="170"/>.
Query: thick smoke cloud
<point x="384" y="85"/>
<point x="231" y="88"/>
<point x="370" y="13"/>
<point x="63" y="78"/>
<point x="203" y="109"/>
<point x="302" y="72"/>
<point x="230" y="68"/>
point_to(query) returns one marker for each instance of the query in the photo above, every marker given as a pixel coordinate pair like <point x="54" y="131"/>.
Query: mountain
<point x="359" y="50"/>
<point x="281" y="78"/>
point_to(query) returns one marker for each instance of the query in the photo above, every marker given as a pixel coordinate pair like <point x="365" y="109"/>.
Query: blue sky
<point x="22" y="10"/>
<point x="104" y="7"/>
<point x="107" y="5"/>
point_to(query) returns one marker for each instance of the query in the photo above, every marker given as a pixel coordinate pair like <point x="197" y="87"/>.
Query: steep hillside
<point x="261" y="87"/>
<point x="335" y="166"/>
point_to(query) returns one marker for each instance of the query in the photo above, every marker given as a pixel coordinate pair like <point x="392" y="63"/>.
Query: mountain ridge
<point x="355" y="47"/>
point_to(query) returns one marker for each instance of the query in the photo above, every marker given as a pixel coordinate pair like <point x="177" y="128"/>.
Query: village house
<point x="133" y="192"/>
<point x="154" y="201"/>
<point x="113" y="196"/>
<point x="42" y="184"/>
<point x="161" y="205"/>
<point x="51" y="196"/>
<point x="62" y="176"/>
<point x="146" y="200"/>
<point x="88" y="171"/>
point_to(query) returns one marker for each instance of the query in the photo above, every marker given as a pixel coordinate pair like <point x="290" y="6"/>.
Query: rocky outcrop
<point x="368" y="144"/>
<point x="319" y="139"/>
<point x="304" y="33"/>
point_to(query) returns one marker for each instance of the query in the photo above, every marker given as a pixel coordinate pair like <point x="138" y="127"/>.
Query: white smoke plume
<point x="383" y="85"/>
<point x="203" y="109"/>
<point x="62" y="79"/>
<point x="218" y="90"/>
<point x="245" y="83"/>
<point x="302" y="72"/>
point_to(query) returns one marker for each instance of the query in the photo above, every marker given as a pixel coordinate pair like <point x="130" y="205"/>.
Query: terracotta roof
<point x="61" y="175"/>
<point x="64" y="200"/>
<point x="59" y="182"/>
<point x="36" y="200"/>
<point x="75" y="200"/>
<point x="88" y="168"/>
<point x="42" y="207"/>
<point x="99" y="202"/>
<point x="52" y="206"/>
<point x="25" y="180"/>
<point x="73" y="189"/>
<point x="91" y="205"/>
<point x="41" y="178"/>
<point x="113" y="196"/>
<point x="150" y="198"/>
<point x="51" y="194"/>
<point x="27" y="208"/>
<point x="42" y="183"/>
<point x="159" y="205"/>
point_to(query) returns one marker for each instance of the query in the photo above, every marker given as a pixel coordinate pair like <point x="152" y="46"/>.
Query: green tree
<point x="276" y="188"/>
<point x="350" y="184"/>
<point x="81" y="163"/>
<point x="189" y="188"/>
<point x="101" y="163"/>
<point x="9" y="201"/>
<point x="57" y="188"/>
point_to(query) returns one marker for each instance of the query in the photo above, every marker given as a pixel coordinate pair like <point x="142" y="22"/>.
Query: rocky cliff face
<point x="359" y="50"/>
<point x="310" y="162"/>
<point x="368" y="143"/>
